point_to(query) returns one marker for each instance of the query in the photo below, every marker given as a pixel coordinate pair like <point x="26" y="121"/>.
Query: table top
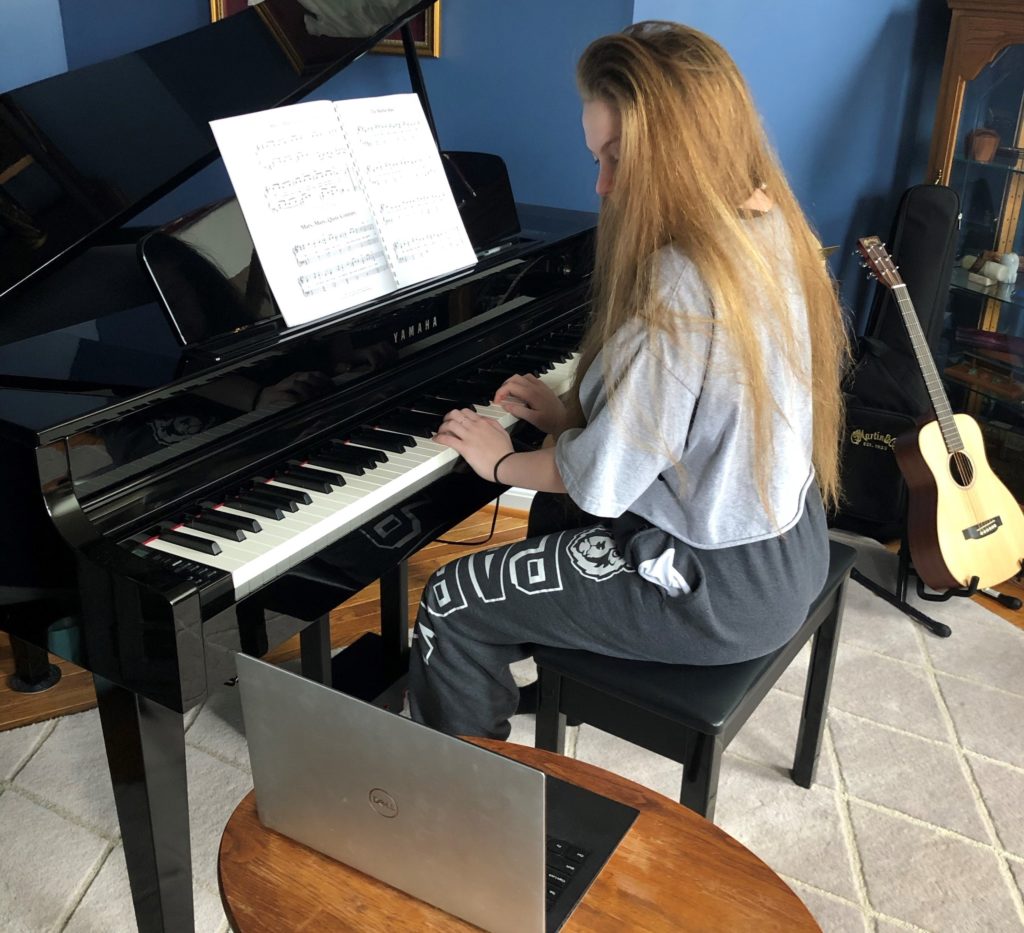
<point x="673" y="870"/>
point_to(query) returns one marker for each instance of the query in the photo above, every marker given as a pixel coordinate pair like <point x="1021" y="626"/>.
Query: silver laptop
<point x="439" y="818"/>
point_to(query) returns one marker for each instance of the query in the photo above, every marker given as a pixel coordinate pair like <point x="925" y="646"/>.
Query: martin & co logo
<point x="876" y="439"/>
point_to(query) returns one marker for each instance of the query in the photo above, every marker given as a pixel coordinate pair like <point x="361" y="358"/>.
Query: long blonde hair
<point x="692" y="150"/>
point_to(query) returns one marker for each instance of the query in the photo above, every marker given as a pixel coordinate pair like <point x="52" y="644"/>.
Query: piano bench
<point x="691" y="713"/>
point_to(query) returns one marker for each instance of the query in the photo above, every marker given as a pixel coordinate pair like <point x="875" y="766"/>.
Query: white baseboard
<point x="516" y="498"/>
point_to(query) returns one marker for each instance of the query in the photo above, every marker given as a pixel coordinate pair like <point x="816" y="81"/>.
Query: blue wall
<point x="31" y="42"/>
<point x="847" y="92"/>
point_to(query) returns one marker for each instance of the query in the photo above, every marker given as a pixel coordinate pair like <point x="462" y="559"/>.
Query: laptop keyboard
<point x="563" y="861"/>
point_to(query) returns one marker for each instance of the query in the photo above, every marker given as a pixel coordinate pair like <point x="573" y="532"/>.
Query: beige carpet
<point x="915" y="821"/>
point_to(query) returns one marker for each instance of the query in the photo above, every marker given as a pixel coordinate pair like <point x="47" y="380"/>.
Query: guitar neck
<point x="932" y="380"/>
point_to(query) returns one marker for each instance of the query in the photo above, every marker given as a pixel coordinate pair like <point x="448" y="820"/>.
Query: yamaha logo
<point x="383" y="803"/>
<point x="412" y="331"/>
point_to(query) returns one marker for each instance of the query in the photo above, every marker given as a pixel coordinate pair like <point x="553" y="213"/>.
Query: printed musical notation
<point x="425" y="205"/>
<point x="345" y="201"/>
<point x="409" y="249"/>
<point x="325" y="184"/>
<point x="334" y="244"/>
<point x="352" y="271"/>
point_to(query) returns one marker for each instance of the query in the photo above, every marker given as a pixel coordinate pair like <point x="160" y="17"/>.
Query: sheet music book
<point x="345" y="200"/>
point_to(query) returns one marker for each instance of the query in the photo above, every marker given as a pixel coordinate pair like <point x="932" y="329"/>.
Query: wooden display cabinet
<point x="978" y="150"/>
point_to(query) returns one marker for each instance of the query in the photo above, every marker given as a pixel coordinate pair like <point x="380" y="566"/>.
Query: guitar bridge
<point x="982" y="529"/>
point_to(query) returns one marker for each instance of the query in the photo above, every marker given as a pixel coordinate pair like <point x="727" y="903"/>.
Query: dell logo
<point x="383" y="803"/>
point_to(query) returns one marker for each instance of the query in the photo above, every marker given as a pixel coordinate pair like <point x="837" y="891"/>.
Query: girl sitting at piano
<point x="702" y="431"/>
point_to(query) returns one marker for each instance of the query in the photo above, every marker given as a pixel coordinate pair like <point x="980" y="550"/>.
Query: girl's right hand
<point x="528" y="398"/>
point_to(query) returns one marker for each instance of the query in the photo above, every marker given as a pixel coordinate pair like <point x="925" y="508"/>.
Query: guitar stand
<point x="938" y="628"/>
<point x="1004" y="599"/>
<point x="899" y="602"/>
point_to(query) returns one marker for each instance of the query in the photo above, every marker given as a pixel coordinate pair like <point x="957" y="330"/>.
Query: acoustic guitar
<point x="964" y="526"/>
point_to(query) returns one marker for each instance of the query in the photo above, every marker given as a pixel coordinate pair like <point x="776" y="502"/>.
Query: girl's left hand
<point x="480" y="440"/>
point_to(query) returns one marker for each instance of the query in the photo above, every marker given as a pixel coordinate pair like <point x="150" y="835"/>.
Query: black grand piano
<point x="182" y="476"/>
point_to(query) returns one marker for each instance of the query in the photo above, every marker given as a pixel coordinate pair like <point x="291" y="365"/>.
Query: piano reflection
<point x="181" y="475"/>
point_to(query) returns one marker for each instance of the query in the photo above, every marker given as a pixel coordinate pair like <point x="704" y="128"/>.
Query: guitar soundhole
<point x="961" y="469"/>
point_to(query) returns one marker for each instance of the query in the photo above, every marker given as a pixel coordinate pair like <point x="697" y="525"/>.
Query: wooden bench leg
<point x="700" y="775"/>
<point x="550" y="729"/>
<point x="315" y="650"/>
<point x="819" y="685"/>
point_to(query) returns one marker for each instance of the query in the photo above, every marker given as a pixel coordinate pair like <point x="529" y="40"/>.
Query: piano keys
<point x="316" y="497"/>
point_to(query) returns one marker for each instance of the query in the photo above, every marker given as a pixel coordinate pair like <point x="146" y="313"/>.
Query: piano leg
<point x="32" y="668"/>
<point x="145" y="745"/>
<point x="315" y="650"/>
<point x="394" y="618"/>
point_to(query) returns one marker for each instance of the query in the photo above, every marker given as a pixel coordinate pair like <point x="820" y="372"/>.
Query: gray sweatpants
<point x="578" y="589"/>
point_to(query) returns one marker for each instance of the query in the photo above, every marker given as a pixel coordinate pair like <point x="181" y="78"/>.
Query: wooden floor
<point x="358" y="615"/>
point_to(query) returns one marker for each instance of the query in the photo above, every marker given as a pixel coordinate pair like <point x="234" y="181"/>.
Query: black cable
<point x="490" y="534"/>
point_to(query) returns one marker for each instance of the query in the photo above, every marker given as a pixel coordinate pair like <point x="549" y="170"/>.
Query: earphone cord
<point x="490" y="534"/>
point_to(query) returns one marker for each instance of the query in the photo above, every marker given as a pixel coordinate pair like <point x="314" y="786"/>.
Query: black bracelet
<point x="498" y="463"/>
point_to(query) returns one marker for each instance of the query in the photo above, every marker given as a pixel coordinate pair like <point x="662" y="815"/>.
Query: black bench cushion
<point x="702" y="697"/>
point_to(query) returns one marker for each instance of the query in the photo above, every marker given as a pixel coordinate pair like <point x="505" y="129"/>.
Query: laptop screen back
<point x="443" y="820"/>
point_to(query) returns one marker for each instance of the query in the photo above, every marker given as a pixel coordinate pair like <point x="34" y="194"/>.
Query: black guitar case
<point x="885" y="392"/>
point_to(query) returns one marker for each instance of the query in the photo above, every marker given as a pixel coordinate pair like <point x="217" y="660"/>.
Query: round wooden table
<point x="674" y="870"/>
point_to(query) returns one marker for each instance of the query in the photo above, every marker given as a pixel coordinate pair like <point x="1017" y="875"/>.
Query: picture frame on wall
<point x="426" y="27"/>
<point x="426" y="35"/>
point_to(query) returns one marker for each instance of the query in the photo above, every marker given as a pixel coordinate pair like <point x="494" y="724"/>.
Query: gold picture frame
<point x="426" y="33"/>
<point x="426" y="28"/>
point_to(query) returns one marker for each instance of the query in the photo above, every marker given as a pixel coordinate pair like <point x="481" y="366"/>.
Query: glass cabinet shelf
<point x="1011" y="293"/>
<point x="996" y="386"/>
<point x="1012" y="162"/>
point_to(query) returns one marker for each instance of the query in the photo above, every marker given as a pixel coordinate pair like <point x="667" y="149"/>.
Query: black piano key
<point x="385" y="440"/>
<point x="281" y="500"/>
<point x="210" y="513"/>
<point x="527" y="368"/>
<point x="552" y="352"/>
<point x="499" y="373"/>
<point x="564" y="342"/>
<point x="498" y="376"/>
<point x="190" y="541"/>
<point x="357" y="456"/>
<point x="410" y="422"/>
<point x="433" y="405"/>
<point x="317" y="485"/>
<point x="295" y="495"/>
<point x="373" y="454"/>
<point x="213" y="528"/>
<point x="478" y="391"/>
<point x="403" y="437"/>
<point x="247" y="503"/>
<point x="533" y="361"/>
<point x="295" y="468"/>
<point x="332" y="462"/>
<point x="458" y="398"/>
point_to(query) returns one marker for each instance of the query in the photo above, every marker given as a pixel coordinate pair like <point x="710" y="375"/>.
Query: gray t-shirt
<point x="676" y="445"/>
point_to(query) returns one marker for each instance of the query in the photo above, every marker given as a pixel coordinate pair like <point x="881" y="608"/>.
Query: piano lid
<point x="84" y="151"/>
